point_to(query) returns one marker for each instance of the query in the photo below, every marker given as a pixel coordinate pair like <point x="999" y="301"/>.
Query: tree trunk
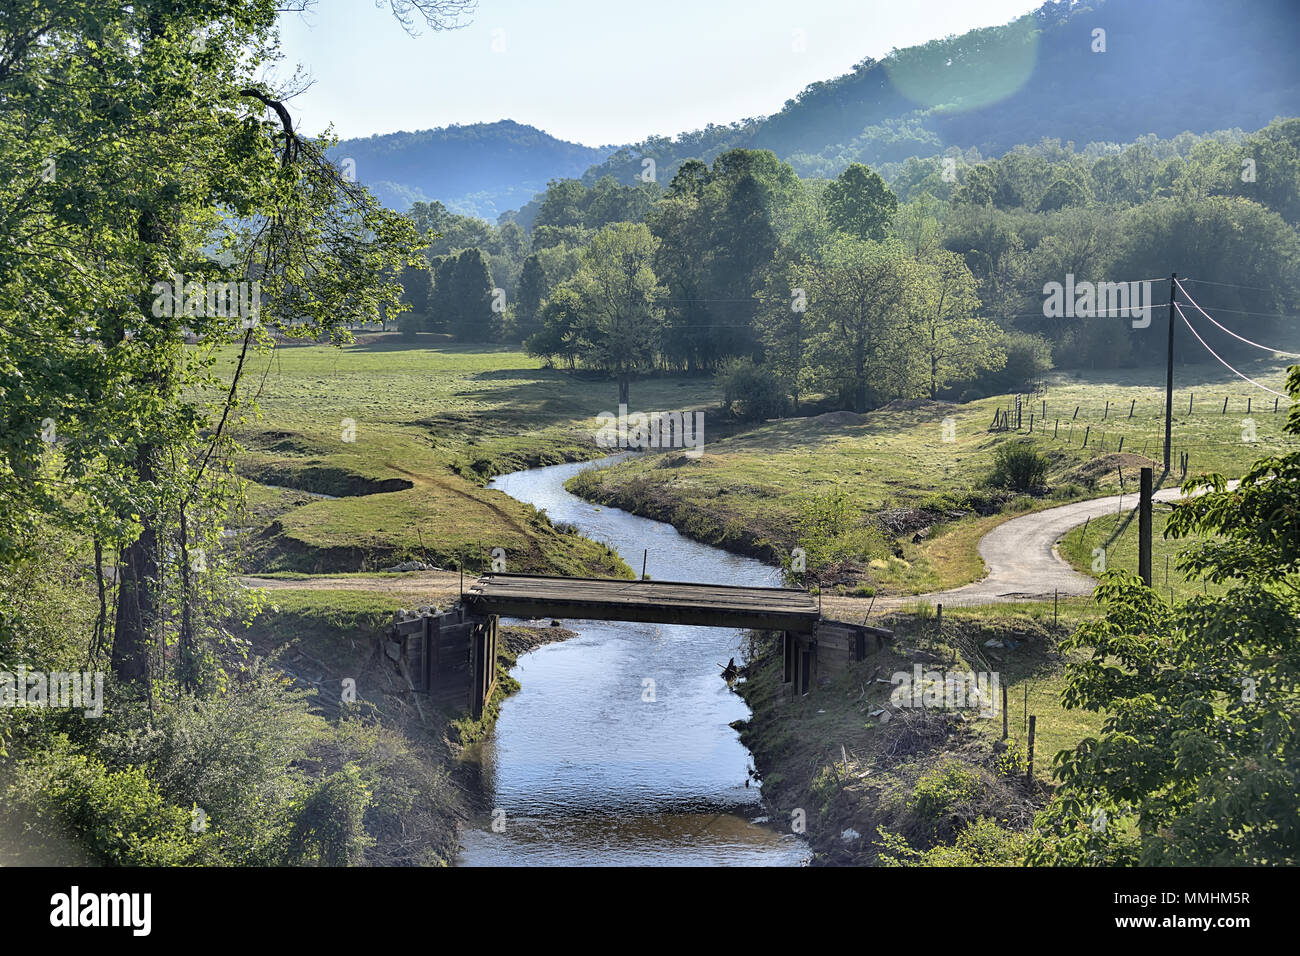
<point x="137" y="597"/>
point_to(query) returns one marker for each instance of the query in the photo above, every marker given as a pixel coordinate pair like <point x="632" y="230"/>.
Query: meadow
<point x="923" y="467"/>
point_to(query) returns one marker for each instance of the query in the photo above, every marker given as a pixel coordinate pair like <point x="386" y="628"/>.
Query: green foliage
<point x="327" y="826"/>
<point x="1197" y="760"/>
<point x="751" y="392"/>
<point x="829" y="535"/>
<point x="1012" y="762"/>
<point x="62" y="801"/>
<point x="860" y="203"/>
<point x="1019" y="466"/>
<point x="938" y="792"/>
<point x="983" y="842"/>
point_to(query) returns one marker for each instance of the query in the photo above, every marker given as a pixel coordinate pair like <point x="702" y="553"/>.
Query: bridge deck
<point x="654" y="602"/>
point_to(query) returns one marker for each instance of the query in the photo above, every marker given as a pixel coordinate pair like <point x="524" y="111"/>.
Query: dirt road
<point x="1020" y="554"/>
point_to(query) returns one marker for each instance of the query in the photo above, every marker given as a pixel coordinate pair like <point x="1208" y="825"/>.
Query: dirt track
<point x="1020" y="555"/>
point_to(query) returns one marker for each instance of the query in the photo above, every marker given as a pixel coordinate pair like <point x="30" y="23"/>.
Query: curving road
<point x="1022" y="559"/>
<point x="1020" y="555"/>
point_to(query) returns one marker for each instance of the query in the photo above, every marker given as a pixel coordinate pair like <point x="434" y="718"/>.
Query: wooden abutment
<point x="451" y="656"/>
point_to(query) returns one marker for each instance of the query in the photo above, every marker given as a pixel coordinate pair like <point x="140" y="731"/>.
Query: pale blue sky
<point x="598" y="71"/>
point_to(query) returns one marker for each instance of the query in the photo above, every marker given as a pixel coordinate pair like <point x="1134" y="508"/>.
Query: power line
<point x="1221" y="361"/>
<point x="1230" y="285"/>
<point x="1229" y="331"/>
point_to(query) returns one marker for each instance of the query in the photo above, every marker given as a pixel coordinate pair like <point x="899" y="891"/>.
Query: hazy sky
<point x="598" y="72"/>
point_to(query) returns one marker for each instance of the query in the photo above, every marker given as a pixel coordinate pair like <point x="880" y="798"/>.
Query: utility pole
<point x="1169" y="381"/>
<point x="1144" y="528"/>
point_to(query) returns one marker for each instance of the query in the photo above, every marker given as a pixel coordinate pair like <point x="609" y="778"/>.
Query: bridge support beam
<point x="483" y="663"/>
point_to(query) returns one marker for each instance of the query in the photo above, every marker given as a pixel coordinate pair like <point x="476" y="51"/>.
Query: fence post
<point x="1131" y="407"/>
<point x="1004" y="711"/>
<point x="1029" y="774"/>
<point x="1085" y="436"/>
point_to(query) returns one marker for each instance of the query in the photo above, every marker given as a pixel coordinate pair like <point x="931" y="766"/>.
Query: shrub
<point x="59" y="797"/>
<point x="982" y="843"/>
<point x="1019" y="466"/>
<point x="751" y="392"/>
<point x="938" y="792"/>
<point x="328" y="827"/>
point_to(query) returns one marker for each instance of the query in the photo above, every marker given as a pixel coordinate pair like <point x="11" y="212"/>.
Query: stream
<point x="619" y="750"/>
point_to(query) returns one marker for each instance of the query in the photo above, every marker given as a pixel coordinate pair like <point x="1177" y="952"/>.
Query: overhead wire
<point x="1221" y="361"/>
<point x="1239" y="338"/>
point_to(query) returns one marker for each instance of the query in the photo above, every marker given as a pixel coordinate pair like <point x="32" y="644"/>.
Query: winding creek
<point x="590" y="764"/>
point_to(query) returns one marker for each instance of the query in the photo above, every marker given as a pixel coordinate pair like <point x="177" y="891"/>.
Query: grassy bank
<point x="912" y="475"/>
<point x="1111" y="543"/>
<point x="939" y="783"/>
<point x="327" y="644"/>
<point x="401" y="438"/>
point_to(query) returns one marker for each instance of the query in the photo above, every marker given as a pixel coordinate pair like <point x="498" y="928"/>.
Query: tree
<point x="529" y="297"/>
<point x="857" y="293"/>
<point x="860" y="203"/>
<point x="417" y="289"/>
<point x="953" y="341"/>
<point x="621" y="317"/>
<point x="1198" y="759"/>
<point x="473" y="316"/>
<point x="106" y="217"/>
<point x="561" y="318"/>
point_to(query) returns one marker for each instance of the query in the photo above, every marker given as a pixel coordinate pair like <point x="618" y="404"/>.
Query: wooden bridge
<point x="451" y="656"/>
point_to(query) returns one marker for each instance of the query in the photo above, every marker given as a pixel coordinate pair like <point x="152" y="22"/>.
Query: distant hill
<point x="1168" y="66"/>
<point x="482" y="169"/>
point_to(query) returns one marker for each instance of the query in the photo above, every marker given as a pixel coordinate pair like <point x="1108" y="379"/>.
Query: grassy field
<point x="401" y="437"/>
<point x="900" y="471"/>
<point x="378" y="453"/>
<point x="1117" y="536"/>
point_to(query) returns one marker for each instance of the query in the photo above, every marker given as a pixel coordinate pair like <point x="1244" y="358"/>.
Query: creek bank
<point x="321" y="639"/>
<point x="846" y="761"/>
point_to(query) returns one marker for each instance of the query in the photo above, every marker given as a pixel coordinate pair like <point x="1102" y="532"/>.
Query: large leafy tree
<point x="953" y="342"/>
<point x="859" y="203"/>
<point x="145" y="154"/>
<point x="1198" y="759"/>
<point x="620" y="302"/>
<point x="857" y="295"/>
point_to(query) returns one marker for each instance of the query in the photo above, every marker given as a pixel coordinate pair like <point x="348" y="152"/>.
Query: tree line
<point x="866" y="291"/>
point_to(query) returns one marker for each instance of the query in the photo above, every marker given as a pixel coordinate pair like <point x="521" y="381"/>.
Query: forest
<point x="933" y="284"/>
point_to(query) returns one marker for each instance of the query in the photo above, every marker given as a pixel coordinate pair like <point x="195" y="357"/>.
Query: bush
<point x="1019" y="466"/>
<point x="981" y="843"/>
<point x="938" y="792"/>
<point x="408" y="323"/>
<point x="751" y="392"/>
<point x="60" y="799"/>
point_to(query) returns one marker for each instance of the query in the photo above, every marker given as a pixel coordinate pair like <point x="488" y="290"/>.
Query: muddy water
<point x="618" y="750"/>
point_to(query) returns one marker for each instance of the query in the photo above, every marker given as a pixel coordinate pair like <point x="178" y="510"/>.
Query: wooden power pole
<point x="1144" y="528"/>
<point x="1169" y="380"/>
